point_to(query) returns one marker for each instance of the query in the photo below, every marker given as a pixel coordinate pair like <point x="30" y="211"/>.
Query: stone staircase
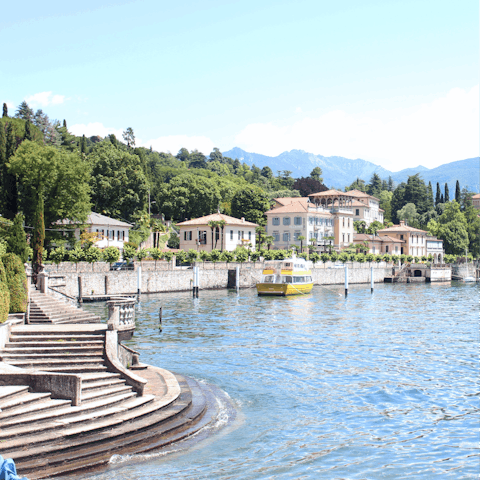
<point x="45" y="309"/>
<point x="48" y="436"/>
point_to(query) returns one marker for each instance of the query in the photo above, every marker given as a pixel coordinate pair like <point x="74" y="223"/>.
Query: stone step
<point x="58" y="338"/>
<point x="92" y="377"/>
<point x="94" y="395"/>
<point x="67" y="329"/>
<point x="52" y="357"/>
<point x="39" y="363"/>
<point x="100" y="384"/>
<point x="22" y="412"/>
<point x="22" y="400"/>
<point x="52" y="344"/>
<point x="12" y="390"/>
<point x="76" y="369"/>
<point x="61" y="348"/>
<point x="78" y="420"/>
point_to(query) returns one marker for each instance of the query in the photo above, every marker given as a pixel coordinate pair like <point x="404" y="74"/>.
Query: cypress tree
<point x="457" y="192"/>
<point x="447" y="195"/>
<point x="5" y="110"/>
<point x="17" y="240"/>
<point x="10" y="181"/>
<point x="391" y="187"/>
<point x="442" y="200"/>
<point x="28" y="132"/>
<point x="64" y="123"/>
<point x="83" y="145"/>
<point x="438" y="197"/>
<point x="38" y="234"/>
<point x="3" y="165"/>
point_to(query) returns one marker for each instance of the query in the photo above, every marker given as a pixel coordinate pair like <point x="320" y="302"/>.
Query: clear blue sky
<point x="395" y="82"/>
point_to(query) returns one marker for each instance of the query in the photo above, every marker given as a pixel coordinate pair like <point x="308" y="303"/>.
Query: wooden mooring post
<point x="346" y="281"/>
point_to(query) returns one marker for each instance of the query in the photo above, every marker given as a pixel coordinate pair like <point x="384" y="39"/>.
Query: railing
<point x="121" y="314"/>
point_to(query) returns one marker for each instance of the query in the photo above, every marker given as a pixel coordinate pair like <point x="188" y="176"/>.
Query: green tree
<point x="9" y="180"/>
<point x="430" y="204"/>
<point x="266" y="172"/>
<point x="129" y="137"/>
<point x="129" y="252"/>
<point x="110" y="254"/>
<point x="17" y="239"/>
<point x="398" y="201"/>
<point x="119" y="186"/>
<point x="76" y="255"/>
<point x="5" y="110"/>
<point x="416" y="193"/>
<point x="391" y="186"/>
<point x="93" y="254"/>
<point x="192" y="256"/>
<point x="447" y="194"/>
<point x="453" y="229"/>
<point x="24" y="111"/>
<point x="251" y="202"/>
<point x="374" y="227"/>
<point x="438" y="196"/>
<point x="16" y="282"/>
<point x="408" y="213"/>
<point x="386" y="204"/>
<point x="457" y="192"/>
<point x="473" y="229"/>
<point x="375" y="186"/>
<point x="316" y="174"/>
<point x="58" y="255"/>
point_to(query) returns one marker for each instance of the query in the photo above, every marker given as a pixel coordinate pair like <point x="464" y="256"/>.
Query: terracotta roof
<point x="297" y="207"/>
<point x="216" y="217"/>
<point x="356" y="203"/>
<point x="400" y="228"/>
<point x="358" y="193"/>
<point x="367" y="237"/>
<point x="328" y="193"/>
<point x="290" y="200"/>
<point x="477" y="195"/>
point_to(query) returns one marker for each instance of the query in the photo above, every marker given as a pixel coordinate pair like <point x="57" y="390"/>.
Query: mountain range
<point x="339" y="172"/>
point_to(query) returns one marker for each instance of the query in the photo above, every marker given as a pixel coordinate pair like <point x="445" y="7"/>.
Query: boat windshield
<point x="269" y="279"/>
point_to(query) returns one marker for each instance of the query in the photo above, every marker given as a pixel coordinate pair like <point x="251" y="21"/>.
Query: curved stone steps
<point x="156" y="428"/>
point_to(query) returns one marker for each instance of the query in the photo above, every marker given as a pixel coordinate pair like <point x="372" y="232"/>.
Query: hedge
<point x="16" y="282"/>
<point x="4" y="301"/>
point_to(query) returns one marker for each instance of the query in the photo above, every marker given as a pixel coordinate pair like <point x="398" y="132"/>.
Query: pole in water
<point x="197" y="276"/>
<point x="237" y="278"/>
<point x="371" y="279"/>
<point x="139" y="280"/>
<point x="194" y="281"/>
<point x="160" y="312"/>
<point x="346" y="280"/>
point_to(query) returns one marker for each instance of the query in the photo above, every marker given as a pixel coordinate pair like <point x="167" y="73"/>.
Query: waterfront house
<point x="379" y="244"/>
<point x="110" y="232"/>
<point x="435" y="248"/>
<point x="365" y="207"/>
<point x="414" y="238"/>
<point x="324" y="218"/>
<point x="197" y="234"/>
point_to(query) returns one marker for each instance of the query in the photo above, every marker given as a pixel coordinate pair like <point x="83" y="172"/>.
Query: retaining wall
<point x="167" y="278"/>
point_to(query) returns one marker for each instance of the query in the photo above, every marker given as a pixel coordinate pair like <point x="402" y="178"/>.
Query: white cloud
<point x="43" y="99"/>
<point x="298" y="110"/>
<point x="441" y="131"/>
<point x="93" y="129"/>
<point x="10" y="106"/>
<point x="173" y="143"/>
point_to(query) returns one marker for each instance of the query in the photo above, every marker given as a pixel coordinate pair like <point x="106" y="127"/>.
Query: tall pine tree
<point x="438" y="197"/>
<point x="447" y="195"/>
<point x="429" y="196"/>
<point x="28" y="132"/>
<point x="5" y="110"/>
<point x="17" y="240"/>
<point x="10" y="206"/>
<point x="38" y="234"/>
<point x="3" y="165"/>
<point x="457" y="192"/>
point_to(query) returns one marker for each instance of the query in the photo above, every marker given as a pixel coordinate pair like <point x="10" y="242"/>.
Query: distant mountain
<point x="340" y="171"/>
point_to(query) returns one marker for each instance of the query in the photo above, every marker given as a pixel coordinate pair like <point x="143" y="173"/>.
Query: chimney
<point x="402" y="223"/>
<point x="243" y="219"/>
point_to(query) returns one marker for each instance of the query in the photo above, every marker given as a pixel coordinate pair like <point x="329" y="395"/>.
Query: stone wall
<point x="104" y="282"/>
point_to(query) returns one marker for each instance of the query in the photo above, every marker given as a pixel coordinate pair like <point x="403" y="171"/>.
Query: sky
<point x="392" y="82"/>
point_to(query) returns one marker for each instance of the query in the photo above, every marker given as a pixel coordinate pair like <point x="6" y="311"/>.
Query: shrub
<point x="315" y="257"/>
<point x="204" y="255"/>
<point x="269" y="255"/>
<point x="129" y="252"/>
<point x="181" y="256"/>
<point x="16" y="283"/>
<point x="370" y="257"/>
<point x="4" y="301"/>
<point x="254" y="256"/>
<point x="215" y="255"/>
<point x="325" y="257"/>
<point x="111" y="254"/>
<point x="58" y="255"/>
<point x="143" y="253"/>
<point x="192" y="255"/>
<point x="76" y="255"/>
<point x="92" y="255"/>
<point x="241" y="256"/>
<point x="3" y="275"/>
<point x="360" y="258"/>
<point x="168" y="256"/>
<point x="227" y="257"/>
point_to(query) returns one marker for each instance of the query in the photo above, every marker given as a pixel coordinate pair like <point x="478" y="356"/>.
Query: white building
<point x="365" y="207"/>
<point x="318" y="216"/>
<point x="196" y="234"/>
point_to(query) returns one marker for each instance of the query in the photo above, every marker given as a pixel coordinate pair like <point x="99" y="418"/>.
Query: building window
<point x="286" y="220"/>
<point x="348" y="221"/>
<point x="123" y="235"/>
<point x="276" y="236"/>
<point x="296" y="235"/>
<point x="386" y="249"/>
<point x="357" y="212"/>
<point x="373" y="248"/>
<point x="311" y="220"/>
<point x="343" y="221"/>
<point x="239" y="235"/>
<point x="231" y="234"/>
<point x="276" y="221"/>
<point x="250" y="236"/>
<point x="286" y="237"/>
<point x="401" y="237"/>
<point x="185" y="235"/>
<point x="348" y="237"/>
<point x="297" y="221"/>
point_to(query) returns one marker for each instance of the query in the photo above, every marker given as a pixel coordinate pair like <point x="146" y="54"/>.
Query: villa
<point x="365" y="207"/>
<point x="198" y="235"/>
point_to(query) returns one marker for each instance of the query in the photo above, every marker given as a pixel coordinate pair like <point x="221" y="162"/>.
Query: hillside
<point x="340" y="171"/>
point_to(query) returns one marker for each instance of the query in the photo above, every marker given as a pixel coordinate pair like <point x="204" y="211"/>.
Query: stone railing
<point x="121" y="315"/>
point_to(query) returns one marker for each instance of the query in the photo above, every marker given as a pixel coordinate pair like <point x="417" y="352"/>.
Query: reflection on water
<point x="380" y="386"/>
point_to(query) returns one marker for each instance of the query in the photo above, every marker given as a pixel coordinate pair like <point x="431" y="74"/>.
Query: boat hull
<point x="283" y="289"/>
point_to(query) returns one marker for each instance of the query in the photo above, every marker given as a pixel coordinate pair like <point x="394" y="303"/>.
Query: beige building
<point x="379" y="244"/>
<point x="365" y="207"/>
<point x="476" y="201"/>
<point x="414" y="238"/>
<point x="196" y="234"/>
<point x="316" y="217"/>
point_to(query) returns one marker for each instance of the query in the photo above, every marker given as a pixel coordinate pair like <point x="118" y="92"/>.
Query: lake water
<point x="381" y="386"/>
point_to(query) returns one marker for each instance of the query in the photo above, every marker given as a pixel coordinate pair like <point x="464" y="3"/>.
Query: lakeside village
<point x="95" y="218"/>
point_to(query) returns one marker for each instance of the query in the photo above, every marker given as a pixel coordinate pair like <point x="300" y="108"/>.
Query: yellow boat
<point x="292" y="276"/>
